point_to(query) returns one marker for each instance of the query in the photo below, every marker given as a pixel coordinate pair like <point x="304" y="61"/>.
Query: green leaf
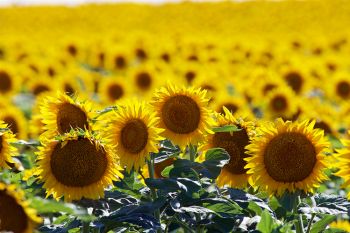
<point x="224" y="209"/>
<point x="246" y="200"/>
<point x="322" y="224"/>
<point x="107" y="110"/>
<point x="31" y="143"/>
<point x="335" y="142"/>
<point x="327" y="204"/>
<point x="226" y="128"/>
<point x="320" y="210"/>
<point x="44" y="206"/>
<point x="266" y="223"/>
<point x="215" y="159"/>
<point x="166" y="171"/>
<point x="187" y="185"/>
<point x="74" y="230"/>
<point x="255" y="207"/>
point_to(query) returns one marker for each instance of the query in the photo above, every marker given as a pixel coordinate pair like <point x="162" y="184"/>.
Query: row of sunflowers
<point x="190" y="117"/>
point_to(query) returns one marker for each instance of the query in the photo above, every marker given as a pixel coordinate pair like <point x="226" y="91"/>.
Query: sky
<point x="73" y="2"/>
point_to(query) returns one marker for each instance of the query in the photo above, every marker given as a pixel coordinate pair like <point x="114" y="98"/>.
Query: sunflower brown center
<point x="51" y="72"/>
<point x="134" y="136"/>
<point x="331" y="66"/>
<point x="192" y="58"/>
<point x="235" y="146"/>
<point x="143" y="80"/>
<point x="12" y="123"/>
<point x="230" y="106"/>
<point x="324" y="126"/>
<point x="115" y="91"/>
<point x="79" y="163"/>
<point x="70" y="116"/>
<point x="268" y="87"/>
<point x="343" y="89"/>
<point x="34" y="68"/>
<point x="165" y="57"/>
<point x="5" y="82"/>
<point x="279" y="103"/>
<point x="141" y="54"/>
<point x="12" y="216"/>
<point x="295" y="81"/>
<point x="190" y="75"/>
<point x="289" y="157"/>
<point x="68" y="89"/>
<point x="72" y="50"/>
<point x="159" y="167"/>
<point x="208" y="87"/>
<point x="40" y="88"/>
<point x="120" y="62"/>
<point x="101" y="57"/>
<point x="181" y="114"/>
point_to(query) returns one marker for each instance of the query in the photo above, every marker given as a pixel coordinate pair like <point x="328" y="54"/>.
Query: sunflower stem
<point x="308" y="229"/>
<point x="150" y="164"/>
<point x="86" y="227"/>
<point x="193" y="152"/>
<point x="310" y="223"/>
<point x="299" y="227"/>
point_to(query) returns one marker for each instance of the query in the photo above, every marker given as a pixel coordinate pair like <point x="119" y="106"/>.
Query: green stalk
<point x="193" y="152"/>
<point x="310" y="223"/>
<point x="308" y="229"/>
<point x="299" y="224"/>
<point x="184" y="226"/>
<point x="150" y="164"/>
<point x="86" y="226"/>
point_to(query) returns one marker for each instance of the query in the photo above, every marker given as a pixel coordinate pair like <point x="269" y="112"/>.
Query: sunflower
<point x="145" y="79"/>
<point x="233" y="174"/>
<point x="7" y="151"/>
<point x="208" y="82"/>
<point x="295" y="79"/>
<point x="287" y="156"/>
<point x="112" y="89"/>
<point x="133" y="130"/>
<point x="15" y="120"/>
<point x="36" y="126"/>
<point x="77" y="165"/>
<point x="118" y="59"/>
<point x="237" y="105"/>
<point x="158" y="168"/>
<point x="281" y="103"/>
<point x="68" y="84"/>
<point x="15" y="214"/>
<point x="343" y="164"/>
<point x="339" y="87"/>
<point x="326" y="118"/>
<point x="9" y="81"/>
<point x="183" y="114"/>
<point x="40" y="85"/>
<point x="62" y="113"/>
<point x="97" y="55"/>
<point x="343" y="225"/>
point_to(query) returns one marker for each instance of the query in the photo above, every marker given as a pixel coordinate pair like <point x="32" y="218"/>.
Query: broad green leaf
<point x="44" y="206"/>
<point x="255" y="207"/>
<point x="266" y="223"/>
<point x="166" y="171"/>
<point x="244" y="200"/>
<point x="226" y="128"/>
<point x="215" y="159"/>
<point x="320" y="210"/>
<point x="322" y="224"/>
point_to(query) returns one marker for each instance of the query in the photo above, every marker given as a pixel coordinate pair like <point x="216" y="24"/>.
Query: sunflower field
<point x="187" y="117"/>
